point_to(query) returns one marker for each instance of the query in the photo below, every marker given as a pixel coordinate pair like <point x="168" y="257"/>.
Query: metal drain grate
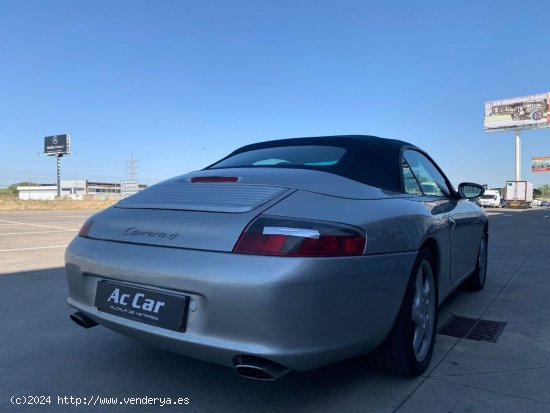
<point x="472" y="329"/>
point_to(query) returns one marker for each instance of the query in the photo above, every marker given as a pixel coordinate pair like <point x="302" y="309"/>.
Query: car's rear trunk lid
<point x="178" y="214"/>
<point x="197" y="211"/>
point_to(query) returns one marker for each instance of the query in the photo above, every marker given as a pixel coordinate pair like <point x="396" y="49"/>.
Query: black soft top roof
<point x="368" y="159"/>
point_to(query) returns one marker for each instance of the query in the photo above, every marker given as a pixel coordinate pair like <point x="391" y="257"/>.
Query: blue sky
<point x="182" y="83"/>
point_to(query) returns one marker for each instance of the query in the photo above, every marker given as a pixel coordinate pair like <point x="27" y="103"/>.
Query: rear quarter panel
<point x="392" y="225"/>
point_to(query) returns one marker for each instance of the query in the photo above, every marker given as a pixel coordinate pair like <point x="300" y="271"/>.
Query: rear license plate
<point x="142" y="304"/>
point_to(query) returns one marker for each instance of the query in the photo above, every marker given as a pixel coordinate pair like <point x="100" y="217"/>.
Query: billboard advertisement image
<point x="57" y="145"/>
<point x="525" y="112"/>
<point x="541" y="164"/>
<point x="128" y="187"/>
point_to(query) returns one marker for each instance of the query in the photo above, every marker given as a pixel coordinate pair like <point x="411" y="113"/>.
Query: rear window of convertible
<point x="303" y="156"/>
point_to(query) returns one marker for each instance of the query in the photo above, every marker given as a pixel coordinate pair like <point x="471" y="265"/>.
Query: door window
<point x="432" y="182"/>
<point x="409" y="181"/>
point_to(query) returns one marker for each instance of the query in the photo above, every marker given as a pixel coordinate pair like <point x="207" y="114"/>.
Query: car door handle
<point x="452" y="223"/>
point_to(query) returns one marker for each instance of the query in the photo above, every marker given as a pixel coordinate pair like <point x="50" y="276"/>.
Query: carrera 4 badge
<point x="134" y="231"/>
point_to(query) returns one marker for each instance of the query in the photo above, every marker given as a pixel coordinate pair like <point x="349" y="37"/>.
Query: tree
<point x="545" y="190"/>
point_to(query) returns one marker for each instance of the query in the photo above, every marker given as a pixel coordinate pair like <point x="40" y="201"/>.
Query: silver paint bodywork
<point x="301" y="312"/>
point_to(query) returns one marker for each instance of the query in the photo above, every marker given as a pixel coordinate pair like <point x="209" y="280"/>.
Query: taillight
<point x="300" y="238"/>
<point x="85" y="229"/>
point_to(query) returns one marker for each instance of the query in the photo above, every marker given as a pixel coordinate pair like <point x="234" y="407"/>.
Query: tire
<point x="408" y="349"/>
<point x="476" y="281"/>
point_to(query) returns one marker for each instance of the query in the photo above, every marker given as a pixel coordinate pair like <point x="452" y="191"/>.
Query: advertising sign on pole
<point x="57" y="145"/>
<point x="540" y="164"/>
<point x="128" y="187"/>
<point x="524" y="112"/>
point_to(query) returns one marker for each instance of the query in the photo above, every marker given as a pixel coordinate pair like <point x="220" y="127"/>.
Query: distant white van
<point x="490" y="199"/>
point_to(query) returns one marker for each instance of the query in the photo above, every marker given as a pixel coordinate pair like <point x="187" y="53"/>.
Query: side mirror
<point x="470" y="190"/>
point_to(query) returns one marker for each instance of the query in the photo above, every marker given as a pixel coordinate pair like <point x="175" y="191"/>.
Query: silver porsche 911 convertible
<point x="286" y="255"/>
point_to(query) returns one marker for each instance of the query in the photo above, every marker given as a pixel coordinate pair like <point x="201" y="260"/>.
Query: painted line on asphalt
<point x="77" y="216"/>
<point x="48" y="222"/>
<point x="32" y="225"/>
<point x="47" y="216"/>
<point x="34" y="248"/>
<point x="39" y="232"/>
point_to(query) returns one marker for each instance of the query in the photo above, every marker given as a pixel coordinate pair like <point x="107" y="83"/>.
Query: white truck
<point x="490" y="198"/>
<point x="518" y="194"/>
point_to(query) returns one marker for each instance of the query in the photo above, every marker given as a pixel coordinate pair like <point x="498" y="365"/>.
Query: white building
<point x="76" y="189"/>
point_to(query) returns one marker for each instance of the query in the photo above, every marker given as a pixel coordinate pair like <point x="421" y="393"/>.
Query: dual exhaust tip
<point x="257" y="368"/>
<point x="82" y="320"/>
<point x="250" y="367"/>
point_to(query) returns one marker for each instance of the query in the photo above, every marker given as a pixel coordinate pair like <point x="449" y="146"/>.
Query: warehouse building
<point x="77" y="189"/>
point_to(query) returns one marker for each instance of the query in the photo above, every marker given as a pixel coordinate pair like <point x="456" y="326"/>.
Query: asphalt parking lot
<point x="44" y="354"/>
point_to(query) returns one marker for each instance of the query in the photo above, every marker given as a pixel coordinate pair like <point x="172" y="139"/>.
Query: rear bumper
<point x="299" y="312"/>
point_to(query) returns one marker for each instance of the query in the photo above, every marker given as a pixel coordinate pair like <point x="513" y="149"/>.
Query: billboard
<point x="128" y="187"/>
<point x="541" y="164"/>
<point x="525" y="112"/>
<point x="57" y="145"/>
